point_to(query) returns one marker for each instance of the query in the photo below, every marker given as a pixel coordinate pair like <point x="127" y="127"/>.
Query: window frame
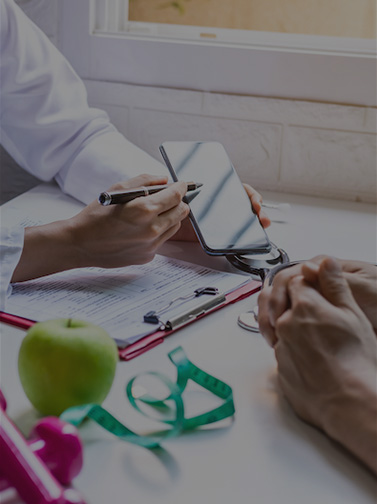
<point x="304" y="67"/>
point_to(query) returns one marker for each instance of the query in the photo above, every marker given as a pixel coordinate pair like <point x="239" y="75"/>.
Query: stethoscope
<point x="260" y="264"/>
<point x="266" y="266"/>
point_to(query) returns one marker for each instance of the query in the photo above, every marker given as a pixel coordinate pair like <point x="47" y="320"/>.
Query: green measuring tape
<point x="186" y="371"/>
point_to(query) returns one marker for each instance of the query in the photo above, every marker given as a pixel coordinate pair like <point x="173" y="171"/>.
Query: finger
<point x="139" y="181"/>
<point x="317" y="259"/>
<point x="169" y="233"/>
<point x="256" y="201"/>
<point x="186" y="232"/>
<point x="279" y="299"/>
<point x="265" y="328"/>
<point x="168" y="198"/>
<point x="334" y="287"/>
<point x="264" y="219"/>
<point x="305" y="301"/>
<point x="361" y="268"/>
<point x="174" y="215"/>
<point x="168" y="220"/>
<point x="310" y="271"/>
<point x="255" y="197"/>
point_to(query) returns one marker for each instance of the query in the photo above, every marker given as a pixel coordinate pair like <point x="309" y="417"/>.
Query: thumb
<point x="333" y="285"/>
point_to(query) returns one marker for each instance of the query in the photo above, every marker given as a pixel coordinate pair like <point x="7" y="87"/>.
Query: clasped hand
<point x="320" y="318"/>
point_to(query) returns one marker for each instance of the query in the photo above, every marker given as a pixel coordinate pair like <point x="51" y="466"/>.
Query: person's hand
<point x="362" y="279"/>
<point x="120" y="235"/>
<point x="274" y="300"/>
<point x="187" y="233"/>
<point x="257" y="200"/>
<point x="106" y="236"/>
<point x="327" y="360"/>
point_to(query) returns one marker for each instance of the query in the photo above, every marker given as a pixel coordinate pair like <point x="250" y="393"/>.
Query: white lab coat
<point x="48" y="128"/>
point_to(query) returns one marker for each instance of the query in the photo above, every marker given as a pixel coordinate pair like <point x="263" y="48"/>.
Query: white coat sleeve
<point x="47" y="126"/>
<point x="11" y="243"/>
<point x="46" y="123"/>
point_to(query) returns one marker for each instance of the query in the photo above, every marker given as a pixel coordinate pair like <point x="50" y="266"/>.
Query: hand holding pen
<point x="133" y="232"/>
<point x="105" y="236"/>
<point x="121" y="197"/>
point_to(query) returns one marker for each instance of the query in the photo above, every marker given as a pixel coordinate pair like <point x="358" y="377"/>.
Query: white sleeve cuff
<point x="109" y="158"/>
<point x="11" y="245"/>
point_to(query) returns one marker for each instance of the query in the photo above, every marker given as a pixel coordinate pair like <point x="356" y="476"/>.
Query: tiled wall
<point x="292" y="146"/>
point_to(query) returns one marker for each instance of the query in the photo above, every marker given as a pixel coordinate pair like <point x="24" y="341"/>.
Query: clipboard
<point x="151" y="340"/>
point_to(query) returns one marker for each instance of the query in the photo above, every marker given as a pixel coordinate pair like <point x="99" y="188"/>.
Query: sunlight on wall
<point x="341" y="18"/>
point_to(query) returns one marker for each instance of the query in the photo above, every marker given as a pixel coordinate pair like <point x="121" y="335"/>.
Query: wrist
<point x="350" y="418"/>
<point x="47" y="249"/>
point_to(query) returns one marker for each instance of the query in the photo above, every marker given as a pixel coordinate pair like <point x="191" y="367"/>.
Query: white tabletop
<point x="266" y="454"/>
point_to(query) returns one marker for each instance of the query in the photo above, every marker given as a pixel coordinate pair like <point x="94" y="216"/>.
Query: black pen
<point x="121" y="197"/>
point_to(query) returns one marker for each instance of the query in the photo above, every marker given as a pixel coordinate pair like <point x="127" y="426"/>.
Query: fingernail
<point x="312" y="266"/>
<point x="331" y="264"/>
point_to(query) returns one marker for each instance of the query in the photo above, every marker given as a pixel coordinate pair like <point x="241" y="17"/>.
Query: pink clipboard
<point x="154" y="339"/>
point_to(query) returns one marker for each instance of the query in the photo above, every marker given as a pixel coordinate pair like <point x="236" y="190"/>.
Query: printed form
<point x="117" y="299"/>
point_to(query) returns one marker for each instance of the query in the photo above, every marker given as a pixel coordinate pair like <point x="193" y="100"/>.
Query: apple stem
<point x="69" y="322"/>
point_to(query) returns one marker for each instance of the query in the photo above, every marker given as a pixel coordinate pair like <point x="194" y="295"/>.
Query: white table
<point x="267" y="454"/>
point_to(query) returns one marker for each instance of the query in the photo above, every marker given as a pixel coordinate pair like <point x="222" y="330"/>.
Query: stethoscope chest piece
<point x="265" y="266"/>
<point x="249" y="320"/>
<point x="259" y="264"/>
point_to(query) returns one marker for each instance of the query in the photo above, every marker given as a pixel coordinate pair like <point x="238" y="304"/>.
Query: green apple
<point x="66" y="362"/>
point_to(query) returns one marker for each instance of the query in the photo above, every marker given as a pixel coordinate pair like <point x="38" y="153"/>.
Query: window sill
<point x="325" y="69"/>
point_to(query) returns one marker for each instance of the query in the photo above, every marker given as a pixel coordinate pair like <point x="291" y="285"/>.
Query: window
<point x="127" y="41"/>
<point x="340" y="18"/>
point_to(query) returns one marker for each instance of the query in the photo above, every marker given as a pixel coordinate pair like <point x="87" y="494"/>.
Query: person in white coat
<point x="50" y="131"/>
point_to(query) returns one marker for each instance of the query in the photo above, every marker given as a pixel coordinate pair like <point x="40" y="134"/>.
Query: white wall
<point x="288" y="145"/>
